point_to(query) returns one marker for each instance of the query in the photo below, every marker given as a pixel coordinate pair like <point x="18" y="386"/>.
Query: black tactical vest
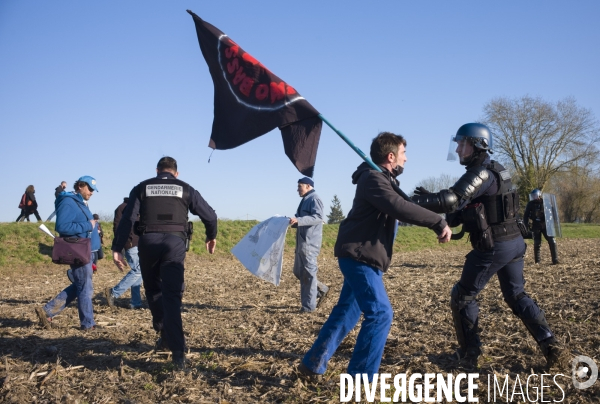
<point x="164" y="205"/>
<point x="538" y="212"/>
<point x="502" y="208"/>
<point x="537" y="215"/>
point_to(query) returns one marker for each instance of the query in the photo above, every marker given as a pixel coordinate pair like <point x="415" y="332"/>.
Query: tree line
<point x="551" y="146"/>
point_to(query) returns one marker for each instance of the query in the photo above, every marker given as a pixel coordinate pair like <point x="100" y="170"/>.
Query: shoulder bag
<point x="72" y="250"/>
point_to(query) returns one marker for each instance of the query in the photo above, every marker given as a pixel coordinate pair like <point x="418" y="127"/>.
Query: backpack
<point x="22" y="203"/>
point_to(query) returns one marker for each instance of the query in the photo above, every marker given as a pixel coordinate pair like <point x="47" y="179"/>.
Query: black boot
<point x="161" y="343"/>
<point x="554" y="251"/>
<point x="557" y="357"/>
<point x="536" y="251"/>
<point x="178" y="360"/>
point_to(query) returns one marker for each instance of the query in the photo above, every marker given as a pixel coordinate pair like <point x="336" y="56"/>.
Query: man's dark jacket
<point x="367" y="234"/>
<point x="133" y="239"/>
<point x="59" y="189"/>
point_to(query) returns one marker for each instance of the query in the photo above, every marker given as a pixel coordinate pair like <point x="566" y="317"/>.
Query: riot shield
<point x="551" y="214"/>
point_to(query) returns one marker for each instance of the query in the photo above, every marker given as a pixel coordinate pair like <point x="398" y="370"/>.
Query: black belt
<point x="505" y="231"/>
<point x="164" y="228"/>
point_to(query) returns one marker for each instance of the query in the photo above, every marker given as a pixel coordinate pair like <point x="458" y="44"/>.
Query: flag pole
<point x="363" y="156"/>
<point x="352" y="145"/>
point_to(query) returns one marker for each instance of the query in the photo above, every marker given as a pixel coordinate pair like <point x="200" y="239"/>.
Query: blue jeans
<point x="81" y="288"/>
<point x="133" y="279"/>
<point x="363" y="292"/>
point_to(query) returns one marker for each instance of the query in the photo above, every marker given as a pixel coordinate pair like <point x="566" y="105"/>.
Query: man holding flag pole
<point x="250" y="101"/>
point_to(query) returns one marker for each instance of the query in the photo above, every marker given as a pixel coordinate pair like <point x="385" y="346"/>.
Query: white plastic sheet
<point x="261" y="250"/>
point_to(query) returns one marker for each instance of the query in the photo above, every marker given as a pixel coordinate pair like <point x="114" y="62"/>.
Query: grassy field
<point x="25" y="244"/>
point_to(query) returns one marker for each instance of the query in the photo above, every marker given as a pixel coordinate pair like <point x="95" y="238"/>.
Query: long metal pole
<point x="364" y="157"/>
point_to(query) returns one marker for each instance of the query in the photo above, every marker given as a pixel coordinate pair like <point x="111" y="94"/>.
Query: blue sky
<point x="107" y="88"/>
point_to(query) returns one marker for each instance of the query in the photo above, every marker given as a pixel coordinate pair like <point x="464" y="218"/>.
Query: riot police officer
<point x="163" y="203"/>
<point x="486" y="204"/>
<point x="534" y="212"/>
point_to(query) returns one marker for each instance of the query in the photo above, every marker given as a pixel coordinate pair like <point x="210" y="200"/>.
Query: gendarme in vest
<point x="164" y="205"/>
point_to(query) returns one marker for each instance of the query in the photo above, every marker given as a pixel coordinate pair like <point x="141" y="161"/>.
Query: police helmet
<point x="478" y="134"/>
<point x="535" y="194"/>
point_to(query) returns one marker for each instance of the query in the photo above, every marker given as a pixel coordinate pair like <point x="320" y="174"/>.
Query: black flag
<point x="250" y="101"/>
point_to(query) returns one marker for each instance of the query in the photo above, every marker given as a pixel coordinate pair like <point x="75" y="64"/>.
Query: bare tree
<point x="538" y="139"/>
<point x="435" y="184"/>
<point x="578" y="193"/>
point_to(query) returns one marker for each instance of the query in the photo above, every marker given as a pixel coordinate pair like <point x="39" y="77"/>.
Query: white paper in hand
<point x="46" y="230"/>
<point x="261" y="250"/>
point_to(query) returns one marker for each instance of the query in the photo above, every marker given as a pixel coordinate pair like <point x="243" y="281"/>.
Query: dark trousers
<point x="537" y="244"/>
<point x="25" y="215"/>
<point x="505" y="260"/>
<point x="161" y="261"/>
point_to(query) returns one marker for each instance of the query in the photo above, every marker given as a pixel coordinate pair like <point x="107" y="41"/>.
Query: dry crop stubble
<point x="245" y="336"/>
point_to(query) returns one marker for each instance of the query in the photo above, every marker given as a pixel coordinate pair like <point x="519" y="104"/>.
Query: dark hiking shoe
<point x="161" y="343"/>
<point x="308" y="375"/>
<point x="555" y="262"/>
<point x="110" y="299"/>
<point x="469" y="356"/>
<point x="43" y="318"/>
<point x="178" y="360"/>
<point x="557" y="356"/>
<point x="321" y="296"/>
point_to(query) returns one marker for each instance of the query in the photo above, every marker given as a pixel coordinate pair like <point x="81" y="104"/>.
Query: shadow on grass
<point x="45" y="249"/>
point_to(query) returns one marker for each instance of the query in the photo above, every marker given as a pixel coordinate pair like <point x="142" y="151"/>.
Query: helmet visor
<point x="452" y="155"/>
<point x="535" y="194"/>
<point x="455" y="142"/>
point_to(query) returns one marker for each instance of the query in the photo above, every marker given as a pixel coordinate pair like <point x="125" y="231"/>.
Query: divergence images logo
<point x="250" y="81"/>
<point x="589" y="371"/>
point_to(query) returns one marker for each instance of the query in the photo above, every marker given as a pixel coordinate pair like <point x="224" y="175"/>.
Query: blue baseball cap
<point x="91" y="181"/>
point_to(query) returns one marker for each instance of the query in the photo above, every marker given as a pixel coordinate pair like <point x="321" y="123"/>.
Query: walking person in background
<point x="59" y="189"/>
<point x="74" y="219"/>
<point x="133" y="278"/>
<point x="534" y="213"/>
<point x="28" y="205"/>
<point x="309" y="223"/>
<point x="100" y="254"/>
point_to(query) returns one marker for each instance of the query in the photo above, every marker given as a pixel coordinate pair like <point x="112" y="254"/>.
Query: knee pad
<point x="466" y="331"/>
<point x="458" y="297"/>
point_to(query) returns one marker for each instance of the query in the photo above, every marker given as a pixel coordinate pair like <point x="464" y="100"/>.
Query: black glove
<point x="421" y="191"/>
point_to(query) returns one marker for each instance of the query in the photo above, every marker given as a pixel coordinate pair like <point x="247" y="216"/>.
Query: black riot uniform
<point x="163" y="203"/>
<point x="484" y="201"/>
<point x="534" y="214"/>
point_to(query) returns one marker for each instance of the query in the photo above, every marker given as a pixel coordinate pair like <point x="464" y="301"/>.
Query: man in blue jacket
<point x="74" y="219"/>
<point x="309" y="222"/>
